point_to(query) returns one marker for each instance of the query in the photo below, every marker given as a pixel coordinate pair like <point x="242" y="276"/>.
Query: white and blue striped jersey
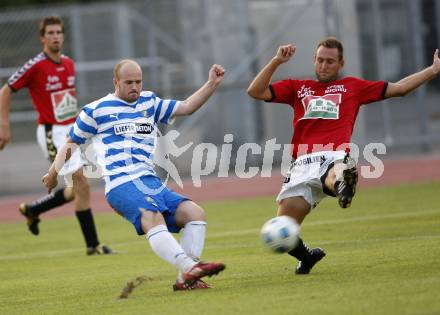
<point x="123" y="134"/>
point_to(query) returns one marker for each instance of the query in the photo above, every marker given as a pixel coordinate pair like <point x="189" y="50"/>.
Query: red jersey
<point x="51" y="86"/>
<point x="325" y="113"/>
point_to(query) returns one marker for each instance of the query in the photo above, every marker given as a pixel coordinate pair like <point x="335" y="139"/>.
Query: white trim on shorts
<point x="304" y="176"/>
<point x="59" y="137"/>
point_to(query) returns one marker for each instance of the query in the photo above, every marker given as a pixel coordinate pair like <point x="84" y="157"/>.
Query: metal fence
<point x="176" y="41"/>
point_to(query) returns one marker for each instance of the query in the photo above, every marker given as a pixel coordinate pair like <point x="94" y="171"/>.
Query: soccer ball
<point x="280" y="234"/>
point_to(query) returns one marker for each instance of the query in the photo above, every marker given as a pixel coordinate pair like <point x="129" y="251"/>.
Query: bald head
<point x="127" y="78"/>
<point x="123" y="65"/>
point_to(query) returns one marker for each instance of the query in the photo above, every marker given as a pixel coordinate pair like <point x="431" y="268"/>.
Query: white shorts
<point x="304" y="176"/>
<point x="50" y="139"/>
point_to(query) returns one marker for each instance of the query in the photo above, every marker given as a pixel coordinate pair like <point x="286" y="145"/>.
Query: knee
<point x="80" y="183"/>
<point x="150" y="219"/>
<point x="146" y="222"/>
<point x="196" y="213"/>
<point x="79" y="178"/>
<point x="68" y="193"/>
<point x="189" y="211"/>
<point x="294" y="207"/>
<point x="200" y="215"/>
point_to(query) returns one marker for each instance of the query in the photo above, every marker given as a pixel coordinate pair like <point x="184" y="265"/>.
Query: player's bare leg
<point x="298" y="208"/>
<point x="342" y="179"/>
<point x="189" y="211"/>
<point x="69" y="195"/>
<point x="294" y="207"/>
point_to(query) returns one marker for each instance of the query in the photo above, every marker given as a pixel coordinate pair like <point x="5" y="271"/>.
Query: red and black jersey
<point x="51" y="86"/>
<point x="325" y="113"/>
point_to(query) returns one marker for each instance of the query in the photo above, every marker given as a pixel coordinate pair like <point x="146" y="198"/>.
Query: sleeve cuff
<point x="12" y="89"/>
<point x="172" y="117"/>
<point x="384" y="90"/>
<point x="272" y="92"/>
<point x="75" y="138"/>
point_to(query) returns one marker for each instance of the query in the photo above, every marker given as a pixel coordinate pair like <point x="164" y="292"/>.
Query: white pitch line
<point x="337" y="242"/>
<point x="55" y="253"/>
<point x="377" y="217"/>
<point x="334" y="221"/>
<point x="228" y="245"/>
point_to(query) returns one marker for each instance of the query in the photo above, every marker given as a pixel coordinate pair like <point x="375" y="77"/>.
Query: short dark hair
<point x="50" y="20"/>
<point x="332" y="42"/>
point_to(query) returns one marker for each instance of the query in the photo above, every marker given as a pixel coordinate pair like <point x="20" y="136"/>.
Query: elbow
<point x="189" y="112"/>
<point x="251" y="93"/>
<point x="258" y="93"/>
<point x="254" y="94"/>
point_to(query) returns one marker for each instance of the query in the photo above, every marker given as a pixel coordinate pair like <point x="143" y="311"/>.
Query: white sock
<point x="193" y="240"/>
<point x="166" y="247"/>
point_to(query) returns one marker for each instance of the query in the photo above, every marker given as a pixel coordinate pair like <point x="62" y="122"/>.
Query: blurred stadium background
<point x="176" y="41"/>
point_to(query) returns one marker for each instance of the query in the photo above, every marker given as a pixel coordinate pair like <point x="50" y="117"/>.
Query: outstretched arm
<point x="5" y="107"/>
<point x="196" y="100"/>
<point x="413" y="81"/>
<point x="259" y="88"/>
<point x="50" y="179"/>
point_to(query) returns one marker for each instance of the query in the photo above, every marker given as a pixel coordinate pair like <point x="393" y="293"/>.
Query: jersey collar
<point x="48" y="57"/>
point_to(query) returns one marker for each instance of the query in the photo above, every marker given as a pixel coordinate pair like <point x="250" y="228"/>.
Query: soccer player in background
<point x="325" y="111"/>
<point x="123" y="129"/>
<point x="50" y="79"/>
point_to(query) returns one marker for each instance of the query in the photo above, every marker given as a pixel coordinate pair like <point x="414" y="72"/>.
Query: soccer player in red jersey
<point x="50" y="79"/>
<point x="325" y="111"/>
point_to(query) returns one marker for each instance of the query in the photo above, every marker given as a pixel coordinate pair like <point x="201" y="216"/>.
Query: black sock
<point x="301" y="251"/>
<point x="88" y="229"/>
<point x="47" y="203"/>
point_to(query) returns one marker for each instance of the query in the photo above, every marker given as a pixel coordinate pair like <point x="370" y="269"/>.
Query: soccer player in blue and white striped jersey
<point x="122" y="127"/>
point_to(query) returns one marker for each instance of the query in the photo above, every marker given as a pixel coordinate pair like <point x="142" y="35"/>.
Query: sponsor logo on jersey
<point x="335" y="88"/>
<point x="305" y="91"/>
<point x="64" y="104"/>
<point x="71" y="80"/>
<point x="53" y="79"/>
<point x="324" y="107"/>
<point x="53" y="83"/>
<point x="133" y="128"/>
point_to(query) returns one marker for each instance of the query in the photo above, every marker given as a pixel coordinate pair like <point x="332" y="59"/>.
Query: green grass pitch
<point x="383" y="257"/>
